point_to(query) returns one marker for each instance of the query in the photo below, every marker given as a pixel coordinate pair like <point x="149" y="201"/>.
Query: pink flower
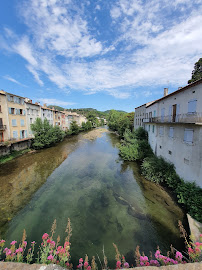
<point x="126" y="265"/>
<point x="178" y="255"/>
<point x="197" y="244"/>
<point x="89" y="268"/>
<point x="33" y="242"/>
<point x="118" y="264"/>
<point x="8" y="252"/>
<point x="48" y="241"/>
<point x="52" y="243"/>
<point x="50" y="257"/>
<point x="80" y="260"/>
<point x="45" y="236"/>
<point x="85" y="264"/>
<point x="190" y="250"/>
<point x="13" y="243"/>
<point x="25" y="243"/>
<point x="147" y="264"/>
<point x="157" y="254"/>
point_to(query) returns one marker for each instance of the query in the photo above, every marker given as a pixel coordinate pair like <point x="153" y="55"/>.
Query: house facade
<point x="33" y="111"/>
<point x="174" y="125"/>
<point x="47" y="113"/>
<point x="4" y="123"/>
<point x="17" y="120"/>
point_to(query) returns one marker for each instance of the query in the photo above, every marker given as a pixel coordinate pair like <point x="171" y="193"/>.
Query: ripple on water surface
<point x="106" y="199"/>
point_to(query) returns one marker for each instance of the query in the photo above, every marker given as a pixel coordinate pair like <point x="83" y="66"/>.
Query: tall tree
<point x="197" y="72"/>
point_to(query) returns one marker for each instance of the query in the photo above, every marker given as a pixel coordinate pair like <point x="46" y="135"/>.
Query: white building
<point x="174" y="125"/>
<point x="33" y="112"/>
<point x="140" y="115"/>
<point x="47" y="113"/>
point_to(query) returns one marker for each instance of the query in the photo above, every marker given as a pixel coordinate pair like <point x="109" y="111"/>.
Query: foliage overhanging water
<point x="106" y="199"/>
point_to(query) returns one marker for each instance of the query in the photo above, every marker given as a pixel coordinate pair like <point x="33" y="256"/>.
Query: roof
<point x="177" y="91"/>
<point x="146" y="104"/>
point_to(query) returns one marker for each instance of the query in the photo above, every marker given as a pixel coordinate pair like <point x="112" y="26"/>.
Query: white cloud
<point x="152" y="45"/>
<point x="52" y="101"/>
<point x="9" y="78"/>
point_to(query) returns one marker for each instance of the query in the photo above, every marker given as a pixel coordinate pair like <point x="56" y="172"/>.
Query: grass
<point x="13" y="155"/>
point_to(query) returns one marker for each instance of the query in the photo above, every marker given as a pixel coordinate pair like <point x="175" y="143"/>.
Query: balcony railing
<point x="179" y="118"/>
<point x="2" y="127"/>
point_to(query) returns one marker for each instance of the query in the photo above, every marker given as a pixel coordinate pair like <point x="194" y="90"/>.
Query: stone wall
<point x="15" y="146"/>
<point x="22" y="266"/>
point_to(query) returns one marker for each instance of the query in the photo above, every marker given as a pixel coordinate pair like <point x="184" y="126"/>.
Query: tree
<point x="197" y="72"/>
<point x="74" y="128"/>
<point x="45" y="134"/>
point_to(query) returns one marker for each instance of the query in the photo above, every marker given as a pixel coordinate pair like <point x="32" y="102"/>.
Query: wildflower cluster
<point x="159" y="260"/>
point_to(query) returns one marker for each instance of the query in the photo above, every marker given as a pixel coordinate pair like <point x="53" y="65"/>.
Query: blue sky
<point x="98" y="53"/>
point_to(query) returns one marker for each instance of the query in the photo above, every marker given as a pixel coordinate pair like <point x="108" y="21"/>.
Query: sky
<point x="102" y="54"/>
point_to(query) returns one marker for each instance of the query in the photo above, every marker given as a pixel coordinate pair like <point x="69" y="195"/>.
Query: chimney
<point x="165" y="92"/>
<point x="45" y="106"/>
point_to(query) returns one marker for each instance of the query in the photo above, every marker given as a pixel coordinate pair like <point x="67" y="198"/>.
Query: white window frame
<point x="171" y="132"/>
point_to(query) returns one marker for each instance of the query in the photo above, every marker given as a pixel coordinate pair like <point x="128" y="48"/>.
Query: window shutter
<point x="192" y="106"/>
<point x="9" y="109"/>
<point x="188" y="135"/>
<point x="162" y="114"/>
<point x="24" y="112"/>
<point x="25" y="133"/>
<point x="20" y="134"/>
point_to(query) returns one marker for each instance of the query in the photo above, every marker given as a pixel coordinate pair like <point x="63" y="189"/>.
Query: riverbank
<point x="13" y="155"/>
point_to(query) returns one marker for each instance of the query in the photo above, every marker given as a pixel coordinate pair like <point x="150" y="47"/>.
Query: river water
<point x="107" y="200"/>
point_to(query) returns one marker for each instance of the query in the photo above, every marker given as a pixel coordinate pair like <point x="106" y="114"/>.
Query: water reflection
<point x="106" y="199"/>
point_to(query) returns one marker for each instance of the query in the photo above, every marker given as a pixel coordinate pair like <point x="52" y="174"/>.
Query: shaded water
<point x="106" y="199"/>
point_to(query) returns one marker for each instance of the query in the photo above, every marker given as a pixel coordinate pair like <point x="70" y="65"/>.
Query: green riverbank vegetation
<point x="46" y="135"/>
<point x="51" y="251"/>
<point x="13" y="155"/>
<point x="135" y="147"/>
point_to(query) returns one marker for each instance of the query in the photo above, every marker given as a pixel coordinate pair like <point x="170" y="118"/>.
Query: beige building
<point x="16" y="116"/>
<point x="4" y="123"/>
<point x="174" y="125"/>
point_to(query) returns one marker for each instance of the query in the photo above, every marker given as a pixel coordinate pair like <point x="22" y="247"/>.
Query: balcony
<point x="195" y="118"/>
<point x="2" y="127"/>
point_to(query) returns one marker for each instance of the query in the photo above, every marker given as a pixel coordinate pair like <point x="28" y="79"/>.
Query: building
<point x="4" y="122"/>
<point x="174" y="125"/>
<point x="47" y="113"/>
<point x="16" y="120"/>
<point x="33" y="111"/>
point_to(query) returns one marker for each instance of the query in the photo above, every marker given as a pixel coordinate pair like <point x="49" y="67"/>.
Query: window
<point x="14" y="123"/>
<point x="186" y="161"/>
<point x="0" y="108"/>
<point x="15" y="134"/>
<point x="153" y="128"/>
<point x="154" y="113"/>
<point x="162" y="114"/>
<point x="170" y="152"/>
<point x="188" y="135"/>
<point x="31" y="120"/>
<point x="22" y="122"/>
<point x="11" y="110"/>
<point x="192" y="106"/>
<point x="149" y="127"/>
<point x="171" y="132"/>
<point x="28" y="111"/>
<point x="11" y="98"/>
<point x="161" y="131"/>
<point x="160" y="146"/>
<point x="21" y="111"/>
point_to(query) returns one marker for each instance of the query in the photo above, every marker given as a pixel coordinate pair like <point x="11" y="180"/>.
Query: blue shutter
<point x="24" y="112"/>
<point x="20" y="134"/>
<point x="9" y="109"/>
<point x="25" y="133"/>
<point x="162" y="114"/>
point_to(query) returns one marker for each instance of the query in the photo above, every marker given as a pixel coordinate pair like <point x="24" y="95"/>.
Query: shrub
<point x="45" y="134"/>
<point x="157" y="170"/>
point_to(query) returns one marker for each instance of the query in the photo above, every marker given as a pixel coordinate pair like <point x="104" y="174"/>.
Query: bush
<point x="157" y="170"/>
<point x="74" y="128"/>
<point x="135" y="145"/>
<point x="45" y="134"/>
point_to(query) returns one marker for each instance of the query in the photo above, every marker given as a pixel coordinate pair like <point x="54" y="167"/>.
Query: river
<point x="106" y="199"/>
